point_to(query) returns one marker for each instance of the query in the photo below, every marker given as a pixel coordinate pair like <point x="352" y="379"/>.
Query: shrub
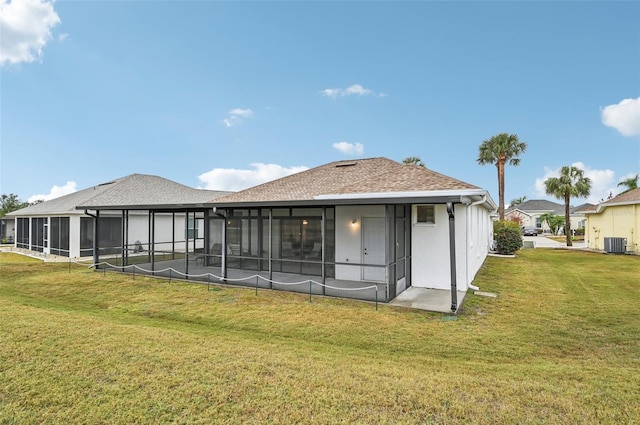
<point x="507" y="236"/>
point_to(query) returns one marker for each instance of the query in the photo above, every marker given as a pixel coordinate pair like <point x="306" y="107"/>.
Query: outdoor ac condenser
<point x="615" y="245"/>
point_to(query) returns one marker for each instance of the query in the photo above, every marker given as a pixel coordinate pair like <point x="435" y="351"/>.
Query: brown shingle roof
<point x="372" y="175"/>
<point x="629" y="197"/>
<point x="588" y="208"/>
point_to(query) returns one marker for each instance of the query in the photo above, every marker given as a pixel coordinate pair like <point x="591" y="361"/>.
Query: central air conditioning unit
<point x="615" y="245"/>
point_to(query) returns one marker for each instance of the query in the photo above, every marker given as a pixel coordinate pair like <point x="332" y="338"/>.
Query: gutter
<point x="392" y="195"/>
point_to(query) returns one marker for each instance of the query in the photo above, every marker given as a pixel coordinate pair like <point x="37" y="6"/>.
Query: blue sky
<point x="226" y="95"/>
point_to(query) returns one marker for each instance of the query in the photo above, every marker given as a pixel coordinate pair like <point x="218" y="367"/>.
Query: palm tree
<point x="501" y="149"/>
<point x="414" y="160"/>
<point x="571" y="183"/>
<point x="630" y="183"/>
<point x="517" y="201"/>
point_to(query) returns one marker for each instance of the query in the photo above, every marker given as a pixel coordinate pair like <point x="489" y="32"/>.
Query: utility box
<point x="615" y="245"/>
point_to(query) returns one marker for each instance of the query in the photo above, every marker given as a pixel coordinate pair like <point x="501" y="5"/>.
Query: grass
<point x="560" y="344"/>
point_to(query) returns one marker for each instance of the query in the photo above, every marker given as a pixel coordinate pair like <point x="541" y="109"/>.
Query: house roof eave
<point x="434" y="197"/>
<point x="146" y="207"/>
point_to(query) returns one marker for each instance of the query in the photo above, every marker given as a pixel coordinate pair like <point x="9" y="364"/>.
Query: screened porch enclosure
<point x="321" y="246"/>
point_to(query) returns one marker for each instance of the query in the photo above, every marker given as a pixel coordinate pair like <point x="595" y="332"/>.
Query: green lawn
<point x="560" y="344"/>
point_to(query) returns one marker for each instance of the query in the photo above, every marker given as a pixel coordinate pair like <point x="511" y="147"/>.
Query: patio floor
<point x="438" y="300"/>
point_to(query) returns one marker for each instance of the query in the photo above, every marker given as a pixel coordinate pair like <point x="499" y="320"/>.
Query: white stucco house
<point x="58" y="227"/>
<point x="529" y="214"/>
<point x="343" y="226"/>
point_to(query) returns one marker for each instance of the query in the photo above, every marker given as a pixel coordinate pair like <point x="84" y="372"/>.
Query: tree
<point x="413" y="160"/>
<point x="9" y="203"/>
<point x="630" y="183"/>
<point x="571" y="184"/>
<point x="517" y="201"/>
<point x="500" y="150"/>
<point x="553" y="221"/>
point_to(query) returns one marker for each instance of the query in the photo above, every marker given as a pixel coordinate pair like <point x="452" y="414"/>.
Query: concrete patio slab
<point x="438" y="300"/>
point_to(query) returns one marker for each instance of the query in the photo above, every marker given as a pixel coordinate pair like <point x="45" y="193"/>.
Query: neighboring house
<point x="57" y="227"/>
<point x="528" y="213"/>
<point x="616" y="218"/>
<point x="347" y="224"/>
<point x="578" y="220"/>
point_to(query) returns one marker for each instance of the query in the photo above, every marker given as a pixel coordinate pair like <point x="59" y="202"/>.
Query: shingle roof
<point x="373" y="175"/>
<point x="629" y="197"/>
<point x="538" y="205"/>
<point x="589" y="208"/>
<point x="135" y="190"/>
<point x="581" y="208"/>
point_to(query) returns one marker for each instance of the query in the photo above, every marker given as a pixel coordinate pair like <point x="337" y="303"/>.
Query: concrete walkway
<point x="542" y="242"/>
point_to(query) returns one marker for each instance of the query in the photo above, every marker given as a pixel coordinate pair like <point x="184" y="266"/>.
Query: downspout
<point x="473" y="204"/>
<point x="95" y="236"/>
<point x="452" y="256"/>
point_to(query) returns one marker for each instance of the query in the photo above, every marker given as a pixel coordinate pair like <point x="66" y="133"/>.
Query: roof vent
<point x="105" y="184"/>
<point x="345" y="164"/>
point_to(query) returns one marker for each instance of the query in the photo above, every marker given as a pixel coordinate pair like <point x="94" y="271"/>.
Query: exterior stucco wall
<point x="430" y="263"/>
<point x="622" y="221"/>
<point x="524" y="219"/>
<point x="349" y="238"/>
<point x="479" y="237"/>
<point x="74" y="236"/>
<point x="430" y="247"/>
<point x="169" y="231"/>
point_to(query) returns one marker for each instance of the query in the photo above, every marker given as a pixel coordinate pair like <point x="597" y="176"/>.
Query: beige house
<point x="613" y="226"/>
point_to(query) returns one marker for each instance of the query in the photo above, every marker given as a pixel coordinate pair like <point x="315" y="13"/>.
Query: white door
<point x="373" y="248"/>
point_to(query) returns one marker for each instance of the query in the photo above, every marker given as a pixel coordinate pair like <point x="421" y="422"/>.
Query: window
<point x="192" y="228"/>
<point x="426" y="214"/>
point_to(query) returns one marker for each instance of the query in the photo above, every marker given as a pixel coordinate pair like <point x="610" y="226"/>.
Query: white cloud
<point x="349" y="148"/>
<point x="236" y="116"/>
<point x="63" y="36"/>
<point x="56" y="192"/>
<point x="355" y="89"/>
<point x="26" y="29"/>
<point x="233" y="179"/>
<point x="623" y="116"/>
<point x="602" y="183"/>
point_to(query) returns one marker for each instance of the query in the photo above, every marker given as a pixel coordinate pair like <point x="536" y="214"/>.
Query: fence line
<point x="223" y="279"/>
